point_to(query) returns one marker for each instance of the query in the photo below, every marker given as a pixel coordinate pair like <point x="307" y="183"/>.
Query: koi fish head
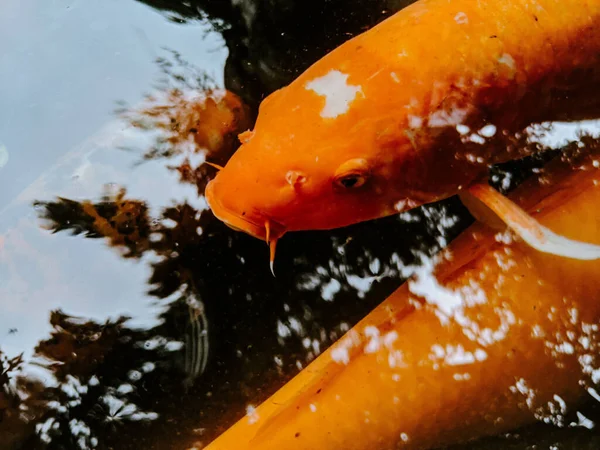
<point x="327" y="151"/>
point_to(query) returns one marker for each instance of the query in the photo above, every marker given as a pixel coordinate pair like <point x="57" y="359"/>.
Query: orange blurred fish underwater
<point x="413" y="111"/>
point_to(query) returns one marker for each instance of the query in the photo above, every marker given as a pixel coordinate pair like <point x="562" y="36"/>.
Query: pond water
<point x="130" y="316"/>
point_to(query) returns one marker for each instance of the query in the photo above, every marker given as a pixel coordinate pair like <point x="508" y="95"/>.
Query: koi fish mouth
<point x="265" y="229"/>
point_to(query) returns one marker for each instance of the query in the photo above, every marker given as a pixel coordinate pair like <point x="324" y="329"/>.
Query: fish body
<point x="410" y="112"/>
<point x="496" y="337"/>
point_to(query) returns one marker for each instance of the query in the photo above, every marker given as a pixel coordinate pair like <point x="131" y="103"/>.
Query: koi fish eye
<point x="352" y="174"/>
<point x="351" y="181"/>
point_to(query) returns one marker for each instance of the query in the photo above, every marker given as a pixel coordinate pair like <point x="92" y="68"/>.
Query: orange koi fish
<point x="413" y="111"/>
<point x="496" y="337"/>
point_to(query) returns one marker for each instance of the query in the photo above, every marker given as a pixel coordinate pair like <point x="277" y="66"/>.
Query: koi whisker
<point x="216" y="166"/>
<point x="267" y="231"/>
<point x="272" y="246"/>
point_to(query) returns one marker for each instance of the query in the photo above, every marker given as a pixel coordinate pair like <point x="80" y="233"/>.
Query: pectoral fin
<point x="497" y="211"/>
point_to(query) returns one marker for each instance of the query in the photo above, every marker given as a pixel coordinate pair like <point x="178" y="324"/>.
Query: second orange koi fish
<point x="413" y="111"/>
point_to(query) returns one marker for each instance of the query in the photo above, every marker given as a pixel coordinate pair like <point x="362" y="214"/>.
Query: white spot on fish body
<point x="312" y="407"/>
<point x="585" y="342"/>
<point x="565" y="348"/>
<point x="480" y="355"/>
<point x="442" y="118"/>
<point x="375" y="343"/>
<point x="252" y="414"/>
<point x="340" y="355"/>
<point x="415" y="121"/>
<point x="508" y="61"/>
<point x="461" y="18"/>
<point x="395" y="77"/>
<point x="389" y="338"/>
<point x="426" y="285"/>
<point x="337" y="92"/>
<point x="521" y="387"/>
<point x="400" y="206"/>
<point x="405" y="204"/>
<point x="462" y="377"/>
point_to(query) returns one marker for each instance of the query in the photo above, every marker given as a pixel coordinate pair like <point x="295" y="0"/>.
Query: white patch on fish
<point x="395" y="77"/>
<point x="252" y="415"/>
<point x="508" y="61"/>
<point x="426" y="285"/>
<point x="340" y="355"/>
<point x="454" y="117"/>
<point x="337" y="92"/>
<point x="374" y="343"/>
<point x="415" y="121"/>
<point x="461" y="18"/>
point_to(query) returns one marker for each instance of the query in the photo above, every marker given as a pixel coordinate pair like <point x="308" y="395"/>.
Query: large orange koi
<point x="413" y="111"/>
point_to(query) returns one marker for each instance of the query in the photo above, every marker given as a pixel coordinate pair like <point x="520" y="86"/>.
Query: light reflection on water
<point x="62" y="139"/>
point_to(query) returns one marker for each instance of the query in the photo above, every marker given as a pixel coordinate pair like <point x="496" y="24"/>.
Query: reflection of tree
<point x="12" y="428"/>
<point x="189" y="117"/>
<point x="123" y="222"/>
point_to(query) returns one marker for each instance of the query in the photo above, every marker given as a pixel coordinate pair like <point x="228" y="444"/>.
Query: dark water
<point x="131" y="318"/>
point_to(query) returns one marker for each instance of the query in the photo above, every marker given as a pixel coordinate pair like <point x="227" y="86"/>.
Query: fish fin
<point x="497" y="211"/>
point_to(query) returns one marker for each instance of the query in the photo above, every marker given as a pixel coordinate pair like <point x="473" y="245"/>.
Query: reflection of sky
<point x="63" y="66"/>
